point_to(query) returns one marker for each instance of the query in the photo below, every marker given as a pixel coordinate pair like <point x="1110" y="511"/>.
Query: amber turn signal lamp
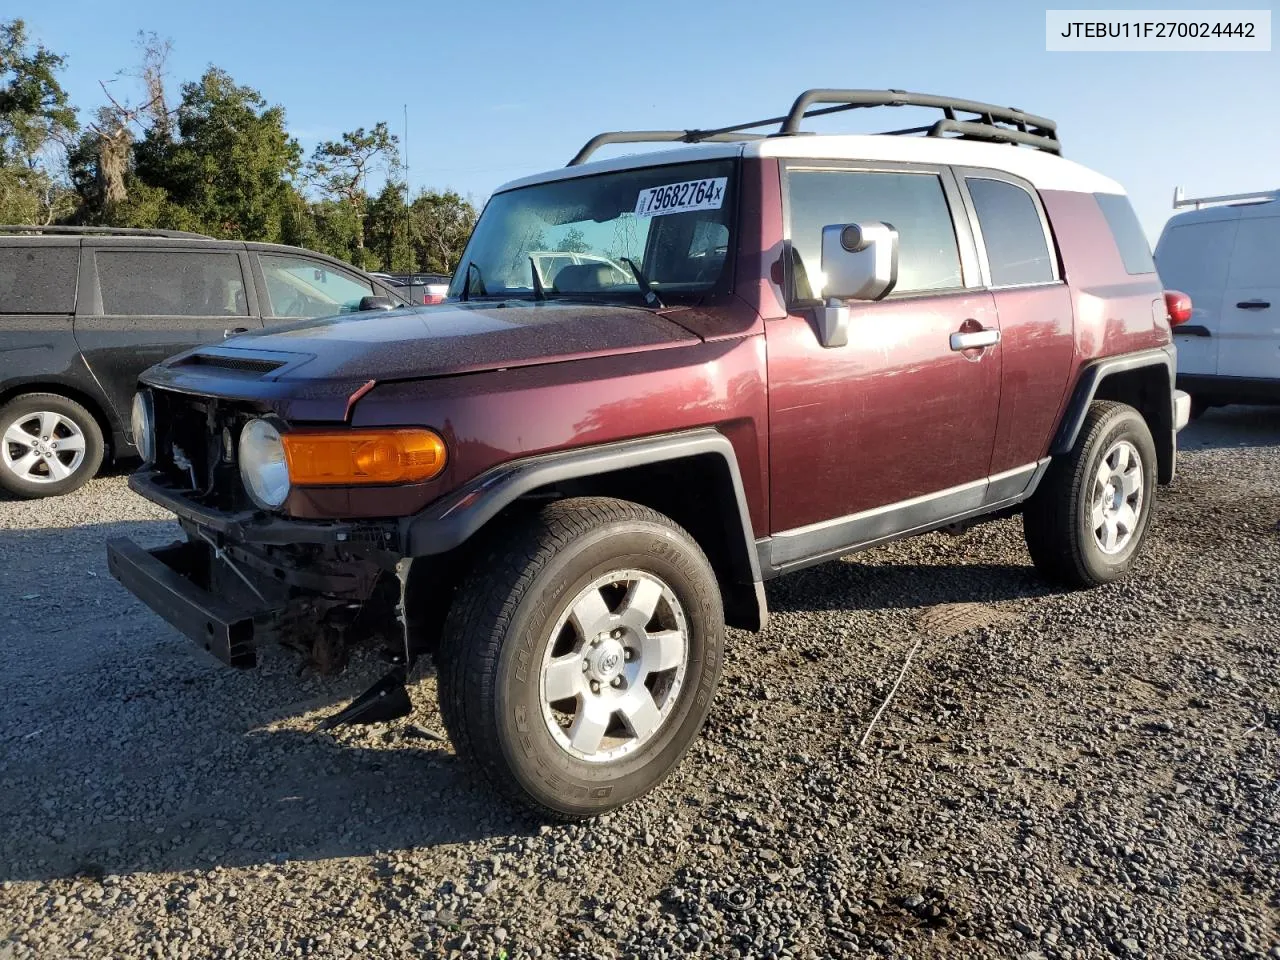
<point x="351" y="457"/>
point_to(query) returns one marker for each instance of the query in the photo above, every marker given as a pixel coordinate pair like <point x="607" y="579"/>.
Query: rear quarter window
<point x="1135" y="251"/>
<point x="38" y="278"/>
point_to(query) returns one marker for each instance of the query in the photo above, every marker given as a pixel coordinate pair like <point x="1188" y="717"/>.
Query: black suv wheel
<point x="49" y="445"/>
<point x="1086" y="522"/>
<point x="579" y="661"/>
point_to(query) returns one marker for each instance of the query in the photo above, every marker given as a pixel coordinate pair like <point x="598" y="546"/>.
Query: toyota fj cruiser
<point x="769" y="351"/>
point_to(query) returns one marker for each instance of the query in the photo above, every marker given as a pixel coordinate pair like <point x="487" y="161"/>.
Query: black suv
<point x="84" y="310"/>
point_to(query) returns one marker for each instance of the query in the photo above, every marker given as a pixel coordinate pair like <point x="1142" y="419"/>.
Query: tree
<point x="339" y="169"/>
<point x="37" y="124"/>
<point x="575" y="241"/>
<point x="102" y="163"/>
<point x="386" y="226"/>
<point x="228" y="169"/>
<point x="440" y="224"/>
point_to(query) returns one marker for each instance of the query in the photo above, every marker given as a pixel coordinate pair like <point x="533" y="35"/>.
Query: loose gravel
<point x="1058" y="775"/>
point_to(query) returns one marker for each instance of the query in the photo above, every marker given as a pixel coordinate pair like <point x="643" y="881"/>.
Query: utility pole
<point x="408" y="195"/>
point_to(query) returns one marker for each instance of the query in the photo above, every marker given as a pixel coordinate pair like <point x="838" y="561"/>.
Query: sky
<point x="496" y="89"/>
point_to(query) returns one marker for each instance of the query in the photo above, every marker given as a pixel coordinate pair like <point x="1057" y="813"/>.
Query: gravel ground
<point x="1060" y="774"/>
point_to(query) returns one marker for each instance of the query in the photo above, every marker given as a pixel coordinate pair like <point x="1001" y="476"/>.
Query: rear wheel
<point x="1087" y="521"/>
<point x="578" y="663"/>
<point x="49" y="445"/>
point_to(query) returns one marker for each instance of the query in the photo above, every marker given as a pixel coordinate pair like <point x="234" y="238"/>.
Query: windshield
<point x="661" y="229"/>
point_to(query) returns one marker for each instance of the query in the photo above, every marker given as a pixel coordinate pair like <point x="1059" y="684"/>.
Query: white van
<point x="1225" y="255"/>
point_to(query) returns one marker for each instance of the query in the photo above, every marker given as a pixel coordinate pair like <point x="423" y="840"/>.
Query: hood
<point x="456" y="338"/>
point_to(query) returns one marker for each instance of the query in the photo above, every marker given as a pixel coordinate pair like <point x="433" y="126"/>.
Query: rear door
<point x="1250" y="339"/>
<point x="149" y="302"/>
<point x="1037" y="338"/>
<point x="1195" y="258"/>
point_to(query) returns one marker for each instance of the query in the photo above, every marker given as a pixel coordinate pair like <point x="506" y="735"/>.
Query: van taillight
<point x="430" y="299"/>
<point x="1179" y="306"/>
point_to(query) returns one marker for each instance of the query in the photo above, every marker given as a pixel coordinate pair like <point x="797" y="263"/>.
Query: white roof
<point x="1043" y="170"/>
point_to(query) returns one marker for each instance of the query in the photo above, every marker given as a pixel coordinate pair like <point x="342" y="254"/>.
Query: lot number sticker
<point x="681" y="197"/>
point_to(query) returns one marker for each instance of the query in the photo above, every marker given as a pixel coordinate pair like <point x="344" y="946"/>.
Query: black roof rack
<point x="57" y="230"/>
<point x="988" y="122"/>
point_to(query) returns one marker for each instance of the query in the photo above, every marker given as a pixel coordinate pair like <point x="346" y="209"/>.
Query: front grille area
<point x="190" y="451"/>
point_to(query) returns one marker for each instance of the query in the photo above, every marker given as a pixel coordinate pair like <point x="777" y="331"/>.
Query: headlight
<point x="142" y="425"/>
<point x="262" y="464"/>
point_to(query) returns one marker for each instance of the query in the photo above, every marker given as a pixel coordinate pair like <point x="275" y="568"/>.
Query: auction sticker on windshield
<point x="705" y="194"/>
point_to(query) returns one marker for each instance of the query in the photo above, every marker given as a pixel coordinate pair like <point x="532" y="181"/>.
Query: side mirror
<point x="376" y="303"/>
<point x="859" y="262"/>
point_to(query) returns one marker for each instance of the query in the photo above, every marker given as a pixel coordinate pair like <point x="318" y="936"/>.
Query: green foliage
<point x="228" y="170"/>
<point x="439" y="225"/>
<point x="36" y="119"/>
<point x="221" y="163"/>
<point x="575" y="241"/>
<point x="387" y="229"/>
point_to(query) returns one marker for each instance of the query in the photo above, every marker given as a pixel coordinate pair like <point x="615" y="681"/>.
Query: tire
<point x="531" y="599"/>
<point x="1060" y="520"/>
<point x="49" y="445"/>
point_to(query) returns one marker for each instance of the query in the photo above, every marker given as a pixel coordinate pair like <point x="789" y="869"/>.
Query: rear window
<point x="1135" y="251"/>
<point x="1012" y="232"/>
<point x="38" y="278"/>
<point x="167" y="283"/>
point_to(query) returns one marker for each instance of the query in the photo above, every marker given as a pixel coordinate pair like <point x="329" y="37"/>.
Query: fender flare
<point x="452" y="521"/>
<point x="1087" y="388"/>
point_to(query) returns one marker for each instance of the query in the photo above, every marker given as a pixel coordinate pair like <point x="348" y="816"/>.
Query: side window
<point x="1012" y="232"/>
<point x="38" y="278"/>
<point x="1135" y="251"/>
<point x="914" y="203"/>
<point x="1256" y="261"/>
<point x="309" y="288"/>
<point x="170" y="283"/>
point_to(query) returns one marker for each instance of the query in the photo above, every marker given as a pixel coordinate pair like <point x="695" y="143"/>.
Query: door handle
<point x="975" y="339"/>
<point x="1254" y="304"/>
<point x="233" y="331"/>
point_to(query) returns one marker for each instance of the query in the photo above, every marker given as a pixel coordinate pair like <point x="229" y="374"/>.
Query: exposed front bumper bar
<point x="162" y="579"/>
<point x="1181" y="409"/>
<point x="250" y="526"/>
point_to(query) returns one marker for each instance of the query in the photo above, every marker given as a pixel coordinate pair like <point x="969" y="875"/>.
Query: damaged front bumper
<point x="173" y="581"/>
<point x="242" y="580"/>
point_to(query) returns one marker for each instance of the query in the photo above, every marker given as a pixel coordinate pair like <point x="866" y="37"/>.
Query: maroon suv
<point x="660" y="381"/>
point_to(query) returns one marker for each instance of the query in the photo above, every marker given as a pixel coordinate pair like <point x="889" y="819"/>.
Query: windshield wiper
<point x="466" y="282"/>
<point x="650" y="297"/>
<point x="539" y="292"/>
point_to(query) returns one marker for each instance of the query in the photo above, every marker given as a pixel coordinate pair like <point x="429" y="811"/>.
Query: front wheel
<point x="1086" y="522"/>
<point x="579" y="661"/>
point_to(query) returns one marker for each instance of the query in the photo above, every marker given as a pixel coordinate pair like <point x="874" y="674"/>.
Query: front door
<point x="1250" y="326"/>
<point x="149" y="304"/>
<point x="897" y="427"/>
